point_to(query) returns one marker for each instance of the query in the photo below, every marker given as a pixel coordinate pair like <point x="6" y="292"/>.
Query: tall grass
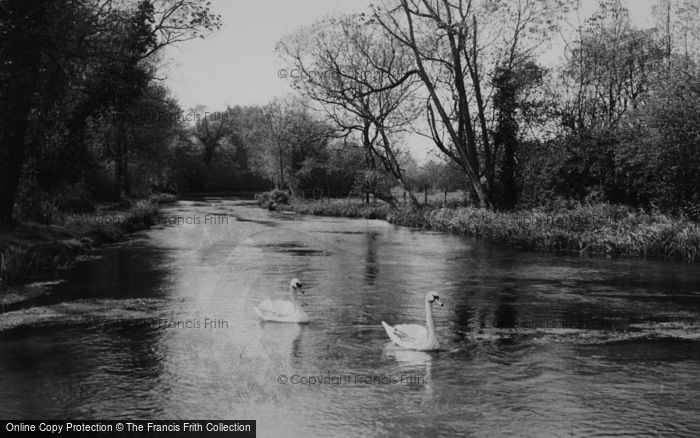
<point x="596" y="229"/>
<point x="339" y="208"/>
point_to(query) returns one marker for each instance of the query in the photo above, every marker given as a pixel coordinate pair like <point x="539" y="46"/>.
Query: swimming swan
<point x="414" y="336"/>
<point x="283" y="310"/>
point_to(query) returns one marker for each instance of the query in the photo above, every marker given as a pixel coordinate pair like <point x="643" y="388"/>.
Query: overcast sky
<point x="237" y="64"/>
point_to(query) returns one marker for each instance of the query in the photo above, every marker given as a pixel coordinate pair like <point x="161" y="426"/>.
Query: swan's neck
<point x="293" y="293"/>
<point x="429" y="323"/>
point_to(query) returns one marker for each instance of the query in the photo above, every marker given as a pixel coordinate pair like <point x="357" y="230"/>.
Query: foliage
<point x="457" y="47"/>
<point x="288" y="135"/>
<point x="627" y="120"/>
<point x="352" y="208"/>
<point x="272" y="200"/>
<point x="71" y="73"/>
<point x="32" y="251"/>
<point x="587" y="229"/>
<point x="375" y="182"/>
<point x="436" y="174"/>
<point x="333" y="171"/>
<point x="659" y="153"/>
<point x="363" y="80"/>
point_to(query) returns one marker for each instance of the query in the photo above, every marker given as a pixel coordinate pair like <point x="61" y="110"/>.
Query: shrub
<point x="271" y="200"/>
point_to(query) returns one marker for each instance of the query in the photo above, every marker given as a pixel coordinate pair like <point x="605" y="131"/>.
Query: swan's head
<point x="433" y="297"/>
<point x="296" y="284"/>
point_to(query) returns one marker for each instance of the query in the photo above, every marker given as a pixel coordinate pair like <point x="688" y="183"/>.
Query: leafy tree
<point x="455" y="46"/>
<point x="610" y="70"/>
<point x="514" y="105"/>
<point x="659" y="154"/>
<point x="65" y="61"/>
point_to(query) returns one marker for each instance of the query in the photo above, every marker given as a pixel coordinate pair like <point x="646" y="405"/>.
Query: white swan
<point x="283" y="310"/>
<point x="414" y="336"/>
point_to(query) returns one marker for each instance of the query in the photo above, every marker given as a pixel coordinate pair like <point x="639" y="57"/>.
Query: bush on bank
<point x="272" y="200"/>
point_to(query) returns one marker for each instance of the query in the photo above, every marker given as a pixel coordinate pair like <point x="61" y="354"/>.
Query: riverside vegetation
<point x="595" y="228"/>
<point x="32" y="251"/>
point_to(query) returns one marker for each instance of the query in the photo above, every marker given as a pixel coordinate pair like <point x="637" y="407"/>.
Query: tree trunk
<point x="281" y="168"/>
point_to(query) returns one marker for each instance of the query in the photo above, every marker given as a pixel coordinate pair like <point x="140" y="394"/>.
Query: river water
<point x="162" y="327"/>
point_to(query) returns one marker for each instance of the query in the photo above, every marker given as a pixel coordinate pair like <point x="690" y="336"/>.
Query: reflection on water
<point x="537" y="345"/>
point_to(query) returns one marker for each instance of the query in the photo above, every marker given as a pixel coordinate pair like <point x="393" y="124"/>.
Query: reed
<point x="595" y="229"/>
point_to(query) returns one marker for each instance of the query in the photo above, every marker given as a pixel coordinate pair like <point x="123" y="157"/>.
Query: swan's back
<point x="281" y="311"/>
<point x="276" y="307"/>
<point x="407" y="335"/>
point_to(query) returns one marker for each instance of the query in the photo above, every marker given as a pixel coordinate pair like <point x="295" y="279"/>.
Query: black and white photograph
<point x="350" y="218"/>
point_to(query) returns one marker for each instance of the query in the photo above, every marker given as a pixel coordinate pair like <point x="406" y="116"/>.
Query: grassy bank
<point x="338" y="208"/>
<point x="29" y="251"/>
<point x="587" y="229"/>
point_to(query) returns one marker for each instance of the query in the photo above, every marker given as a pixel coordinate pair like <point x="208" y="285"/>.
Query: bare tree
<point x="364" y="81"/>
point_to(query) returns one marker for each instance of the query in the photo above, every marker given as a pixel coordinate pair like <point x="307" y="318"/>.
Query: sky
<point x="237" y="64"/>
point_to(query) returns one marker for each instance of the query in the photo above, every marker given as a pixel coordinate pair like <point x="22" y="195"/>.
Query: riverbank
<point x="586" y="229"/>
<point x="32" y="252"/>
<point x="338" y="208"/>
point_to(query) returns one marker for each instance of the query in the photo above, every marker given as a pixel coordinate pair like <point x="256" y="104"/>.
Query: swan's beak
<point x="437" y="300"/>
